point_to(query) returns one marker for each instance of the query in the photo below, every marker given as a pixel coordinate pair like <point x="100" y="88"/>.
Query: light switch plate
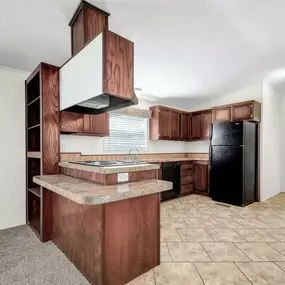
<point x="123" y="177"/>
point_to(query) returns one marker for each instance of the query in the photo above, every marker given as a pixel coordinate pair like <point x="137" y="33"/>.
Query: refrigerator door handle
<point x="210" y="157"/>
<point x="211" y="131"/>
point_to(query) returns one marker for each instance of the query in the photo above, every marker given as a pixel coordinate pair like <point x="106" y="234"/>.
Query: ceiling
<point x="183" y="48"/>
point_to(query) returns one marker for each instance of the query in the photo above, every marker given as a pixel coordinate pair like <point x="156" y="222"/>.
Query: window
<point x="126" y="132"/>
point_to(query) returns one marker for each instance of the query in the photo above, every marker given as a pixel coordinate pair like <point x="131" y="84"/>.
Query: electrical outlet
<point x="123" y="177"/>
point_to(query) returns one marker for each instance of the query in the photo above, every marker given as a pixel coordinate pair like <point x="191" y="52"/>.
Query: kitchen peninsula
<point x="110" y="232"/>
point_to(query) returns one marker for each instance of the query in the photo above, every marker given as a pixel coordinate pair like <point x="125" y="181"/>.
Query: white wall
<point x="12" y="148"/>
<point x="252" y="92"/>
<point x="270" y="170"/>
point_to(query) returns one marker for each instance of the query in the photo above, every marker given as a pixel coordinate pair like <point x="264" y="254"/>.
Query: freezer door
<point x="227" y="134"/>
<point x="226" y="174"/>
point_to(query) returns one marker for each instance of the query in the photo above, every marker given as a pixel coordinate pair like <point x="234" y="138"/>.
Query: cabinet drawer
<point x="186" y="165"/>
<point x="185" y="172"/>
<point x="186" y="180"/>
<point x="186" y="189"/>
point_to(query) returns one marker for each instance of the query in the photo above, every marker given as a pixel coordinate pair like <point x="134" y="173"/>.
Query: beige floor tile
<point x="280" y="246"/>
<point x="225" y="235"/>
<point x="198" y="223"/>
<point x="163" y="214"/>
<point x="251" y="223"/>
<point x="187" y="252"/>
<point x="224" y="252"/>
<point x="177" y="274"/>
<point x="279" y="234"/>
<point x="194" y="235"/>
<point x="164" y="253"/>
<point x="255" y="235"/>
<point x="225" y="214"/>
<point x="262" y="273"/>
<point x="184" y="207"/>
<point x="145" y="279"/>
<point x="167" y="205"/>
<point x="178" y="214"/>
<point x="275" y="223"/>
<point x="221" y="273"/>
<point x="173" y="223"/>
<point x="169" y="235"/>
<point x="281" y="265"/>
<point x="260" y="252"/>
<point x="226" y="223"/>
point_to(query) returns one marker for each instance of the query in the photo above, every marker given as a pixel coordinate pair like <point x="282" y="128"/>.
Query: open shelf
<point x="34" y="212"/>
<point x="34" y="139"/>
<point x="34" y="112"/>
<point x="33" y="169"/>
<point x="36" y="191"/>
<point x="33" y="89"/>
<point x="34" y="154"/>
<point x="36" y="126"/>
<point x="34" y="101"/>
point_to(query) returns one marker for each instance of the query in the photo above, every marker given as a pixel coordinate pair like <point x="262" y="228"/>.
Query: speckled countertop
<point x="174" y="159"/>
<point x="84" y="192"/>
<point x="109" y="170"/>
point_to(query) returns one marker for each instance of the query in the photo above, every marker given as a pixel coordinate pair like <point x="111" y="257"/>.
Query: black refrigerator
<point x="233" y="162"/>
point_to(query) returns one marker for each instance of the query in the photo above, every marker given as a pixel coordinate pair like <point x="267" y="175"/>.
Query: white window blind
<point x="126" y="132"/>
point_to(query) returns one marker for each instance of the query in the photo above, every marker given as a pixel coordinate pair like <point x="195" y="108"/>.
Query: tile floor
<point x="203" y="242"/>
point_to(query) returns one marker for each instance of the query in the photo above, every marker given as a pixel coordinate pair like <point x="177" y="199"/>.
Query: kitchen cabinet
<point x="174" y="125"/>
<point x="186" y="177"/>
<point x="185" y="126"/>
<point x="96" y="124"/>
<point x="206" y="122"/>
<point x="196" y="130"/>
<point x="222" y="114"/>
<point x="164" y="123"/>
<point x="201" y="176"/>
<point x="73" y="123"/>
<point x="249" y="111"/>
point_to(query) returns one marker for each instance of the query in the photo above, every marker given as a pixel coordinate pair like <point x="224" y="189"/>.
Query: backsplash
<point x="78" y="156"/>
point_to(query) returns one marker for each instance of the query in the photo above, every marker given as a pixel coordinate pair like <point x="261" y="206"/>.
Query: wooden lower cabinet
<point x="201" y="176"/>
<point x="186" y="178"/>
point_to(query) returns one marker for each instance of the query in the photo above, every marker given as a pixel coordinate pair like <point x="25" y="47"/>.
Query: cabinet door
<point x="242" y="111"/>
<point x="97" y="125"/>
<point x="175" y="125"/>
<point x="206" y="121"/>
<point x="201" y="177"/>
<point x="185" y="126"/>
<point x="164" y="123"/>
<point x="71" y="122"/>
<point x="222" y="114"/>
<point x="196" y="127"/>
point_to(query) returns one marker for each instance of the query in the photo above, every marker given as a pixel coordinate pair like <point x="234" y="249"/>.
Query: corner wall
<point x="12" y="148"/>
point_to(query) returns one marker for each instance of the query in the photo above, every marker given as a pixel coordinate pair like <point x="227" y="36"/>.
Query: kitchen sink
<point x="110" y="163"/>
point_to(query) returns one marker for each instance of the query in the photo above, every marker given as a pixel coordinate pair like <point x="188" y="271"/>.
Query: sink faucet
<point x="137" y="155"/>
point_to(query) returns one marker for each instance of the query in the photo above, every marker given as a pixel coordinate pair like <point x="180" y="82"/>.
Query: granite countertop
<point x="110" y="169"/>
<point x="84" y="192"/>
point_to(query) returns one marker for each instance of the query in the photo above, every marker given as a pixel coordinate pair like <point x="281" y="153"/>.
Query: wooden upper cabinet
<point x="175" y="124"/>
<point x="201" y="176"/>
<point x="87" y="23"/>
<point x="196" y="126"/>
<point x="71" y="122"/>
<point x="97" y="125"/>
<point x="206" y="122"/>
<point x="221" y="114"/>
<point x="160" y="128"/>
<point x="185" y="123"/>
<point x="250" y="110"/>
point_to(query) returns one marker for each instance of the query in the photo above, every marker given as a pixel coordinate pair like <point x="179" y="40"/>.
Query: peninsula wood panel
<point x="142" y="175"/>
<point x="50" y="119"/>
<point x="118" y="66"/>
<point x="78" y="231"/>
<point x="131" y="238"/>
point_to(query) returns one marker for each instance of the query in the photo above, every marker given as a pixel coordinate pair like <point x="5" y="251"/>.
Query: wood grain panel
<point x="142" y="175"/>
<point x="186" y="189"/>
<point x="77" y="34"/>
<point x="71" y="122"/>
<point x="131" y="238"/>
<point x="118" y="66"/>
<point x="78" y="231"/>
<point x="46" y="215"/>
<point x="50" y="118"/>
<point x="100" y="124"/>
<point x="186" y="165"/>
<point x="95" y="22"/>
